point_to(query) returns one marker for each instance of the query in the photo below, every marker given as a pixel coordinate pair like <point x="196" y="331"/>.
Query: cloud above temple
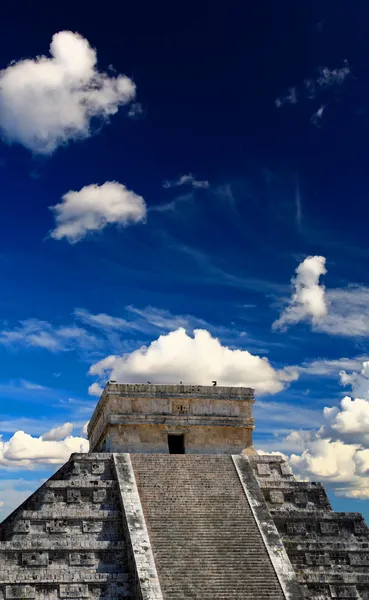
<point x="199" y="359"/>
<point x="46" y="102"/>
<point x="93" y="208"/>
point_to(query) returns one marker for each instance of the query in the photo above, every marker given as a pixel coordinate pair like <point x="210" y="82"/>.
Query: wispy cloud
<point x="186" y="180"/>
<point x="310" y="88"/>
<point x="329" y="368"/>
<point x="290" y="97"/>
<point x="313" y="87"/>
<point x="42" y="334"/>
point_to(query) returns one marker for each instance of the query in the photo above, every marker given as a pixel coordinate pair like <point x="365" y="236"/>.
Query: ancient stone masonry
<point x="329" y="551"/>
<point x="66" y="540"/>
<point x="181" y="507"/>
<point x="139" y="418"/>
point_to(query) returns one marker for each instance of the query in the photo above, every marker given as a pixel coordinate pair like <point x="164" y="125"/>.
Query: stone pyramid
<point x="173" y="502"/>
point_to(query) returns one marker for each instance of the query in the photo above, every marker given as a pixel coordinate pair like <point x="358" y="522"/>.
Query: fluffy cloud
<point x="308" y="301"/>
<point x="93" y="208"/>
<point x="199" y="359"/>
<point x="338" y="452"/>
<point x="58" y="433"/>
<point x="186" y="180"/>
<point x="42" y="334"/>
<point x="47" y="101"/>
<point x="25" y="451"/>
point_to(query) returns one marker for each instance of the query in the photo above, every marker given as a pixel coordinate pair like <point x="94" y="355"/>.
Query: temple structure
<point x="172" y="502"/>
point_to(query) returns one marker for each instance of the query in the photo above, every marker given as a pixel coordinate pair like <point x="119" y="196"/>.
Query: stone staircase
<point x="205" y="540"/>
<point x="329" y="551"/>
<point x="67" y="540"/>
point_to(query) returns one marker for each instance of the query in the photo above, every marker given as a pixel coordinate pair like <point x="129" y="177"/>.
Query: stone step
<point x="204" y="537"/>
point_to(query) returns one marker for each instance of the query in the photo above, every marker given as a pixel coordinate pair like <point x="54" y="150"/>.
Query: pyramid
<point x="173" y="502"/>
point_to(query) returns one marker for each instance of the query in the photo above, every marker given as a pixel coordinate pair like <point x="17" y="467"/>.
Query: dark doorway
<point x="176" y="444"/>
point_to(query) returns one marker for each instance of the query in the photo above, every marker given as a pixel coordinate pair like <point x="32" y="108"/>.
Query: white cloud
<point x="199" y="359"/>
<point x="25" y="451"/>
<point x="338" y="452"/>
<point x="359" y="382"/>
<point x="95" y="389"/>
<point x="58" y="433"/>
<point x="339" y="311"/>
<point x="42" y="334"/>
<point x="186" y="180"/>
<point x="84" y="428"/>
<point x="94" y="207"/>
<point x="47" y="101"/>
<point x="308" y="301"/>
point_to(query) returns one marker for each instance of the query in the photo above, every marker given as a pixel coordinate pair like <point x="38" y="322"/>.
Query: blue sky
<point x="169" y="175"/>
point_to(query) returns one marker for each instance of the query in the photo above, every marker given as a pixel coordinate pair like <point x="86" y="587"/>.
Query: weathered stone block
<point x="74" y="496"/>
<point x="97" y="468"/>
<point x="360" y="527"/>
<point x="22" y="526"/>
<point x="20" y="592"/>
<point x="35" y="559"/>
<point x="75" y="591"/>
<point x="91" y="526"/>
<point x="99" y="496"/>
<point x="329" y="528"/>
<point x="81" y="558"/>
<point x="263" y="469"/>
<point x="49" y="496"/>
<point x="359" y="559"/>
<point x="57" y="526"/>
<point x="286" y="469"/>
<point x="276" y="497"/>
<point x="301" y="498"/>
<point x="297" y="528"/>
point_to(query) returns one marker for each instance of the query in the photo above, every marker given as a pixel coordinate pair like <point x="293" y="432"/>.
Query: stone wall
<point x="131" y="418"/>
